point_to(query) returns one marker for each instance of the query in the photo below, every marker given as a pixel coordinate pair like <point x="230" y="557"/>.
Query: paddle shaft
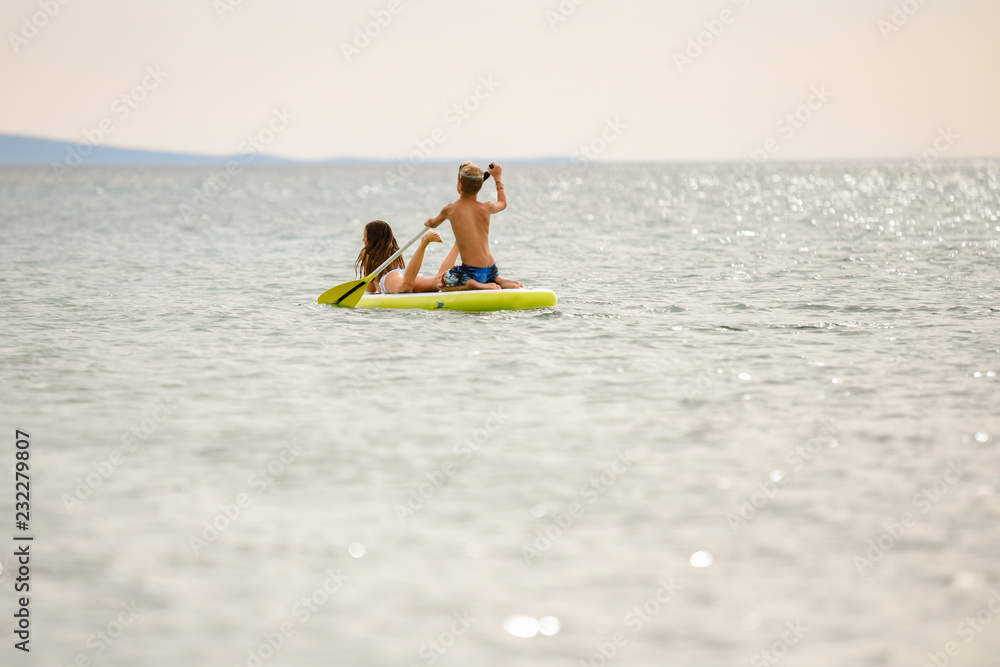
<point x="392" y="258"/>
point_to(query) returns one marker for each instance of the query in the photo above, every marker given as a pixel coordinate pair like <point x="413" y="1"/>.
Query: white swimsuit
<point x="381" y="283"/>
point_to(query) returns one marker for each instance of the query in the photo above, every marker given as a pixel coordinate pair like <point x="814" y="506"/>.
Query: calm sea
<point x="761" y="426"/>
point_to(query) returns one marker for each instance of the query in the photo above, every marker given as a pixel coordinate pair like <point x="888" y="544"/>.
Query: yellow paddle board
<point x="470" y="300"/>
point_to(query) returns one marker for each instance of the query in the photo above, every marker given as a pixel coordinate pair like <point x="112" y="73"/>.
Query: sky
<point x="602" y="80"/>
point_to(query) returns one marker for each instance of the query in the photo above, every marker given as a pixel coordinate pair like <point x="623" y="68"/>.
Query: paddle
<point x="348" y="294"/>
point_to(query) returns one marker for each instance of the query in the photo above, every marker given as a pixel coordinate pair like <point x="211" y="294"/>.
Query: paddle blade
<point x="346" y="295"/>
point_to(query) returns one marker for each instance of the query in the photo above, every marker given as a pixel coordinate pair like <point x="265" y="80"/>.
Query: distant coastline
<point x="17" y="150"/>
<point x="26" y="151"/>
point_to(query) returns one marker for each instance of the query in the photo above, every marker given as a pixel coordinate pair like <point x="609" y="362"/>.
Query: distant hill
<point x="26" y="151"/>
<point x="18" y="150"/>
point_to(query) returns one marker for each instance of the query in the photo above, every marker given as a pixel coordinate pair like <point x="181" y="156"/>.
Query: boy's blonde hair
<point x="472" y="178"/>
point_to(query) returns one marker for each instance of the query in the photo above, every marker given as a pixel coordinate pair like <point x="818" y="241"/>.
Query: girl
<point x="380" y="243"/>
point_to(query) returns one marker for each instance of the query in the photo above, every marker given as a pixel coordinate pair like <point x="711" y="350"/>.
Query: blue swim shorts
<point x="463" y="273"/>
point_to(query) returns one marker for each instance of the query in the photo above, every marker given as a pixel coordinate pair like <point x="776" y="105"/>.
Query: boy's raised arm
<point x="497" y="172"/>
<point x="436" y="221"/>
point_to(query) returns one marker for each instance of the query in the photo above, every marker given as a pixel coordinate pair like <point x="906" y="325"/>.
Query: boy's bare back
<point x="470" y="220"/>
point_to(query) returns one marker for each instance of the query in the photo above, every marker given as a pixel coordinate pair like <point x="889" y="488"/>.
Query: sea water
<point x="760" y="426"/>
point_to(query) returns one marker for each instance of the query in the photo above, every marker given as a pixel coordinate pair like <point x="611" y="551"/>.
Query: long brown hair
<point x="380" y="244"/>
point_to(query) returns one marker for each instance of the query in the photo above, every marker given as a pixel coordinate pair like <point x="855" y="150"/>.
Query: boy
<point x="470" y="220"/>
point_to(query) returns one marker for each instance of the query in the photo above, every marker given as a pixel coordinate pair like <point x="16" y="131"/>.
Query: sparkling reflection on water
<point x="791" y="364"/>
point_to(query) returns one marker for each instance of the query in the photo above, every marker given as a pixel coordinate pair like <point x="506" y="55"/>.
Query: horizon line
<point x="275" y="160"/>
